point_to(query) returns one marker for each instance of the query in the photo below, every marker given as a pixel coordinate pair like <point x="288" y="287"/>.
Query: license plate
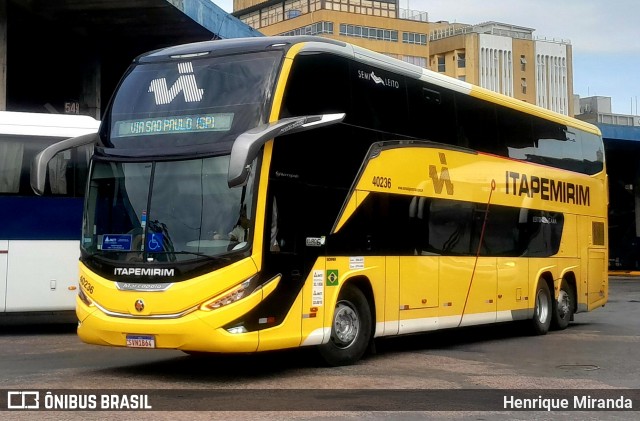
<point x="141" y="341"/>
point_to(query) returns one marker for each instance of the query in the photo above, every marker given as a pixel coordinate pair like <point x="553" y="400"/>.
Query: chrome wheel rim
<point x="346" y="325"/>
<point x="542" y="307"/>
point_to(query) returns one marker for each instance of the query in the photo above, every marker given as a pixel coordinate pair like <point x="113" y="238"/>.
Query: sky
<point x="605" y="37"/>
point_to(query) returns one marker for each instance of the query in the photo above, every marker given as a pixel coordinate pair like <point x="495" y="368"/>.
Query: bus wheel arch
<point x="351" y="324"/>
<point x="543" y="305"/>
<point x="565" y="305"/>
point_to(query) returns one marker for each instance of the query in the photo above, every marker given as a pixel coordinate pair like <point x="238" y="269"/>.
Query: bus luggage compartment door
<point x="597" y="279"/>
<point x="418" y="282"/>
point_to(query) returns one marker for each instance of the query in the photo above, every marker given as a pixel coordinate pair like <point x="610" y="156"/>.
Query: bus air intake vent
<point x="598" y="233"/>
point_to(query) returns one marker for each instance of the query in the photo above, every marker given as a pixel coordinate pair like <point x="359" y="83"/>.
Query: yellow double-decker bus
<point x="259" y="194"/>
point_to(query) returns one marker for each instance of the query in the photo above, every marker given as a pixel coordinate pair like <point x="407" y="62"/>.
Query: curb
<point x="624" y="273"/>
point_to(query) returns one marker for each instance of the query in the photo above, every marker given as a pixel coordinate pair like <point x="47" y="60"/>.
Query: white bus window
<point x="11" y="154"/>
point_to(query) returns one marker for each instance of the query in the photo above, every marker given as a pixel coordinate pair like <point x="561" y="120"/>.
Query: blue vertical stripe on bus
<point x="40" y="218"/>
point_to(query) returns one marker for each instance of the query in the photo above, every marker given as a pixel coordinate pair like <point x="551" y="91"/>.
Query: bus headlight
<point x="228" y="297"/>
<point x="237" y="329"/>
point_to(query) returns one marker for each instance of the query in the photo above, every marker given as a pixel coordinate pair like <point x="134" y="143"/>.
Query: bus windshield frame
<point x="166" y="212"/>
<point x="191" y="101"/>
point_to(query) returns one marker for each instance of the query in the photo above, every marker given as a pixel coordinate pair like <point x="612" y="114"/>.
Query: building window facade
<point x="414" y="38"/>
<point x="496" y="70"/>
<point x="295" y="8"/>
<point x="368" y="32"/>
<point x="291" y="9"/>
<point x="442" y="66"/>
<point x="551" y="81"/>
<point x="462" y="60"/>
<point x="271" y="15"/>
<point x="252" y="19"/>
<point x="317" y="28"/>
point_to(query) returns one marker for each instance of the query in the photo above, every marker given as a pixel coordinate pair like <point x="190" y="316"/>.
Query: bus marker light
<point x="266" y="320"/>
<point x="72" y="288"/>
<point x="83" y="297"/>
<point x="314" y="309"/>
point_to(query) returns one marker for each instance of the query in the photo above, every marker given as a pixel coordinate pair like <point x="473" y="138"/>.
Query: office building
<point x="501" y="57"/>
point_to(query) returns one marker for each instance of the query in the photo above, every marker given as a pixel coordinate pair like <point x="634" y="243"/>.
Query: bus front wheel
<point x="542" y="309"/>
<point x="350" y="329"/>
<point x="563" y="307"/>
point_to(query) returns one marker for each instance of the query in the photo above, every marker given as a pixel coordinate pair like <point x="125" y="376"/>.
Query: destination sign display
<point x="173" y="124"/>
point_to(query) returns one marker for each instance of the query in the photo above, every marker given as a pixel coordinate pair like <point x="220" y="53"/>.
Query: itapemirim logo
<point x="186" y="84"/>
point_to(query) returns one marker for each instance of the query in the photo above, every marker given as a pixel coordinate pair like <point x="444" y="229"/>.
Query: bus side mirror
<point x="39" y="164"/>
<point x="246" y="146"/>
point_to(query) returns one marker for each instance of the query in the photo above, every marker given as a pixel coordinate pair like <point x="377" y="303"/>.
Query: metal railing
<point x="410" y="14"/>
<point x="487" y="28"/>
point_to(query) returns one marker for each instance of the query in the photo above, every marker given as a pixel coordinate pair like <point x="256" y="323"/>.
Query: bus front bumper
<point x="197" y="331"/>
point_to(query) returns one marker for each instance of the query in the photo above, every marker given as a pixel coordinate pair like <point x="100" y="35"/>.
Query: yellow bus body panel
<point x="502" y="287"/>
<point x="412" y="171"/>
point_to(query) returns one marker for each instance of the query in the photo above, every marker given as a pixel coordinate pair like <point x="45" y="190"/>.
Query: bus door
<point x="283" y="256"/>
<point x="467" y="283"/>
<point x="419" y="268"/>
<point x="321" y="272"/>
<point x="4" y="256"/>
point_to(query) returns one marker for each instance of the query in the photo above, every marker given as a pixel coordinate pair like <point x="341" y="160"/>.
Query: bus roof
<point x="42" y="124"/>
<point x="319" y="44"/>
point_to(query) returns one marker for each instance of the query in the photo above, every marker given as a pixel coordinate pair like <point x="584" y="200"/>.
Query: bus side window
<point x="58" y="168"/>
<point x="284" y="224"/>
<point x="450" y="224"/>
<point x="429" y="104"/>
<point x="419" y="225"/>
<point x="274" y="243"/>
<point x="11" y="157"/>
<point x="478" y="125"/>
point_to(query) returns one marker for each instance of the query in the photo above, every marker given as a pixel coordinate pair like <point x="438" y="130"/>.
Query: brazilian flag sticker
<point x="332" y="277"/>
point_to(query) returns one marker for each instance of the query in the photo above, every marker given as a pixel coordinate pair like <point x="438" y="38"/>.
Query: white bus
<point x="39" y="235"/>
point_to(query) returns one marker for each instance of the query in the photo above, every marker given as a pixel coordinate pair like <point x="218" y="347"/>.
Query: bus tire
<point x="351" y="328"/>
<point x="542" y="310"/>
<point x="563" y="307"/>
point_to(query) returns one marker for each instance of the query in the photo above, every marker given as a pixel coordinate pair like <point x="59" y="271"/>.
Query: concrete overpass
<point x="68" y="54"/>
<point x="622" y="150"/>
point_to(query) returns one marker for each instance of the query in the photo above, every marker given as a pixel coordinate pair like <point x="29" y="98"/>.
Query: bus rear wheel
<point x="542" y="310"/>
<point x="350" y="329"/>
<point x="563" y="307"/>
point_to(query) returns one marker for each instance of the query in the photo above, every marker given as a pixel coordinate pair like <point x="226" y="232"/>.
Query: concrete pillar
<point x="3" y="55"/>
<point x="90" y="97"/>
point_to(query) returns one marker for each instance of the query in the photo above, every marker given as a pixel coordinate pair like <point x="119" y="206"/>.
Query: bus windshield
<point x="165" y="211"/>
<point x="191" y="101"/>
